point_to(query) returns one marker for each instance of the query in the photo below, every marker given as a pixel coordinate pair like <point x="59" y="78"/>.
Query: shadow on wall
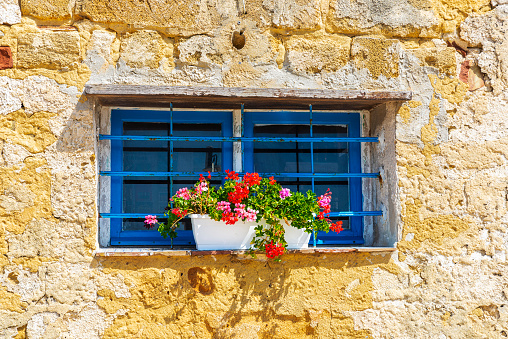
<point x="224" y="292"/>
<point x="77" y="133"/>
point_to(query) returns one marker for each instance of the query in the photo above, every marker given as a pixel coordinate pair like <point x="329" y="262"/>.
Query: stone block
<point x="5" y="58"/>
<point x="9" y="12"/>
<point x="397" y="18"/>
<point x="293" y="14"/>
<point x="53" y="50"/>
<point x="379" y="55"/>
<point x="9" y="101"/>
<point x="144" y="49"/>
<point x="486" y="197"/>
<point x="102" y="51"/>
<point x="48" y="9"/>
<point x="441" y="58"/>
<point x="489" y="31"/>
<point x="176" y="17"/>
<point x="314" y="54"/>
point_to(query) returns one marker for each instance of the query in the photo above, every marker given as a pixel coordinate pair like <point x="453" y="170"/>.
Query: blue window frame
<point x="154" y="153"/>
<point x="304" y="157"/>
<point x="131" y="156"/>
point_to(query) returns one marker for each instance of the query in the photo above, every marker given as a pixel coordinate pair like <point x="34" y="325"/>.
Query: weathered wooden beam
<point x="231" y="97"/>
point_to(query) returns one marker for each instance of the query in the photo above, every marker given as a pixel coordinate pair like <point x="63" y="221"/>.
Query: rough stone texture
<point x="53" y="50"/>
<point x="9" y="12"/>
<point x="175" y="17"/>
<point x="442" y="159"/>
<point x="320" y="54"/>
<point x="144" y="49"/>
<point x="48" y="10"/>
<point x="378" y="55"/>
<point x="400" y="18"/>
<point x="294" y="15"/>
<point x="441" y="58"/>
<point x="491" y="32"/>
<point x="499" y="2"/>
<point x="427" y="18"/>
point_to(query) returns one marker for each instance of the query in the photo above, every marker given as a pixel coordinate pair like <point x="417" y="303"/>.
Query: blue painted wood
<point x="314" y="234"/>
<point x="355" y="184"/>
<point x="354" y="235"/>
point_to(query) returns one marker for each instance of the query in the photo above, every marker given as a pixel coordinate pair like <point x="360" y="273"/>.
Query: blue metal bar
<point x="129" y="215"/>
<point x="356" y="214"/>
<point x="219" y="174"/>
<point x="243" y="130"/>
<point x="312" y="164"/>
<point x="160" y="215"/>
<point x="231" y="139"/>
<point x="171" y="149"/>
<point x="311" y="147"/>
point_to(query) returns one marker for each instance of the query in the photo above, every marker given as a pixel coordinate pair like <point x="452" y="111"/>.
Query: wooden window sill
<point x="144" y="252"/>
<point x="231" y="97"/>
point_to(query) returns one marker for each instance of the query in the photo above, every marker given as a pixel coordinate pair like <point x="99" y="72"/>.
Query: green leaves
<point x="267" y="197"/>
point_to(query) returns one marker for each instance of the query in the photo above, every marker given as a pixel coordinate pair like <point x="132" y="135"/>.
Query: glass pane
<point x="331" y="157"/>
<point x="150" y="195"/>
<point x="277" y="157"/>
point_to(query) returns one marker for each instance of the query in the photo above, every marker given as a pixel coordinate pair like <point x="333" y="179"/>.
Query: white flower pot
<point x="296" y="238"/>
<point x="216" y="235"/>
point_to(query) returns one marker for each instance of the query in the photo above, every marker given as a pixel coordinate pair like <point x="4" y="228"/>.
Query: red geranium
<point x="232" y="175"/>
<point x="239" y="193"/>
<point x="336" y="227"/>
<point x="274" y="250"/>
<point x="179" y="213"/>
<point x="229" y="218"/>
<point x="251" y="179"/>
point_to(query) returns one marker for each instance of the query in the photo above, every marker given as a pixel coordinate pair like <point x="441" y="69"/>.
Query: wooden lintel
<point x="233" y="97"/>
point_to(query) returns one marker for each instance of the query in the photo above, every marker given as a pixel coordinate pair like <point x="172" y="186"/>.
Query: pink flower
<point x="202" y="187"/>
<point x="324" y="201"/>
<point x="251" y="214"/>
<point x="284" y="193"/>
<point x="150" y="221"/>
<point x="183" y="193"/>
<point x="224" y="206"/>
<point x="248" y="214"/>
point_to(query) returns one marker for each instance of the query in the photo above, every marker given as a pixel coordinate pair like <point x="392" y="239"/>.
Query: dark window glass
<point x="295" y="157"/>
<point x="142" y="194"/>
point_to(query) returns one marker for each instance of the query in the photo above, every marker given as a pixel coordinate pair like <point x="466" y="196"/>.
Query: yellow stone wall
<point x="448" y="275"/>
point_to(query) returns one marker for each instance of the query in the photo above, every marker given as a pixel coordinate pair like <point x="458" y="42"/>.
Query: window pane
<point x="151" y="194"/>
<point x="278" y="157"/>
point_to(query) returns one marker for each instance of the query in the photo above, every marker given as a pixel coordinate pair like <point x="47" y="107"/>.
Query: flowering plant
<point x="251" y="198"/>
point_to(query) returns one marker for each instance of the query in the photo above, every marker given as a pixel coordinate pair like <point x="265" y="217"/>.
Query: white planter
<point x="296" y="238"/>
<point x="216" y="235"/>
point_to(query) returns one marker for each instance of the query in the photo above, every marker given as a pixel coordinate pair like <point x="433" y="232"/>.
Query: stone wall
<point x="448" y="275"/>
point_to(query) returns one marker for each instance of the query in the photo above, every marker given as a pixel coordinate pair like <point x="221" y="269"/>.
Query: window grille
<point x="137" y="135"/>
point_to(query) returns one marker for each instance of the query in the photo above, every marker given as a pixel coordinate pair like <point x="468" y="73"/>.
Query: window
<point x="155" y="152"/>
